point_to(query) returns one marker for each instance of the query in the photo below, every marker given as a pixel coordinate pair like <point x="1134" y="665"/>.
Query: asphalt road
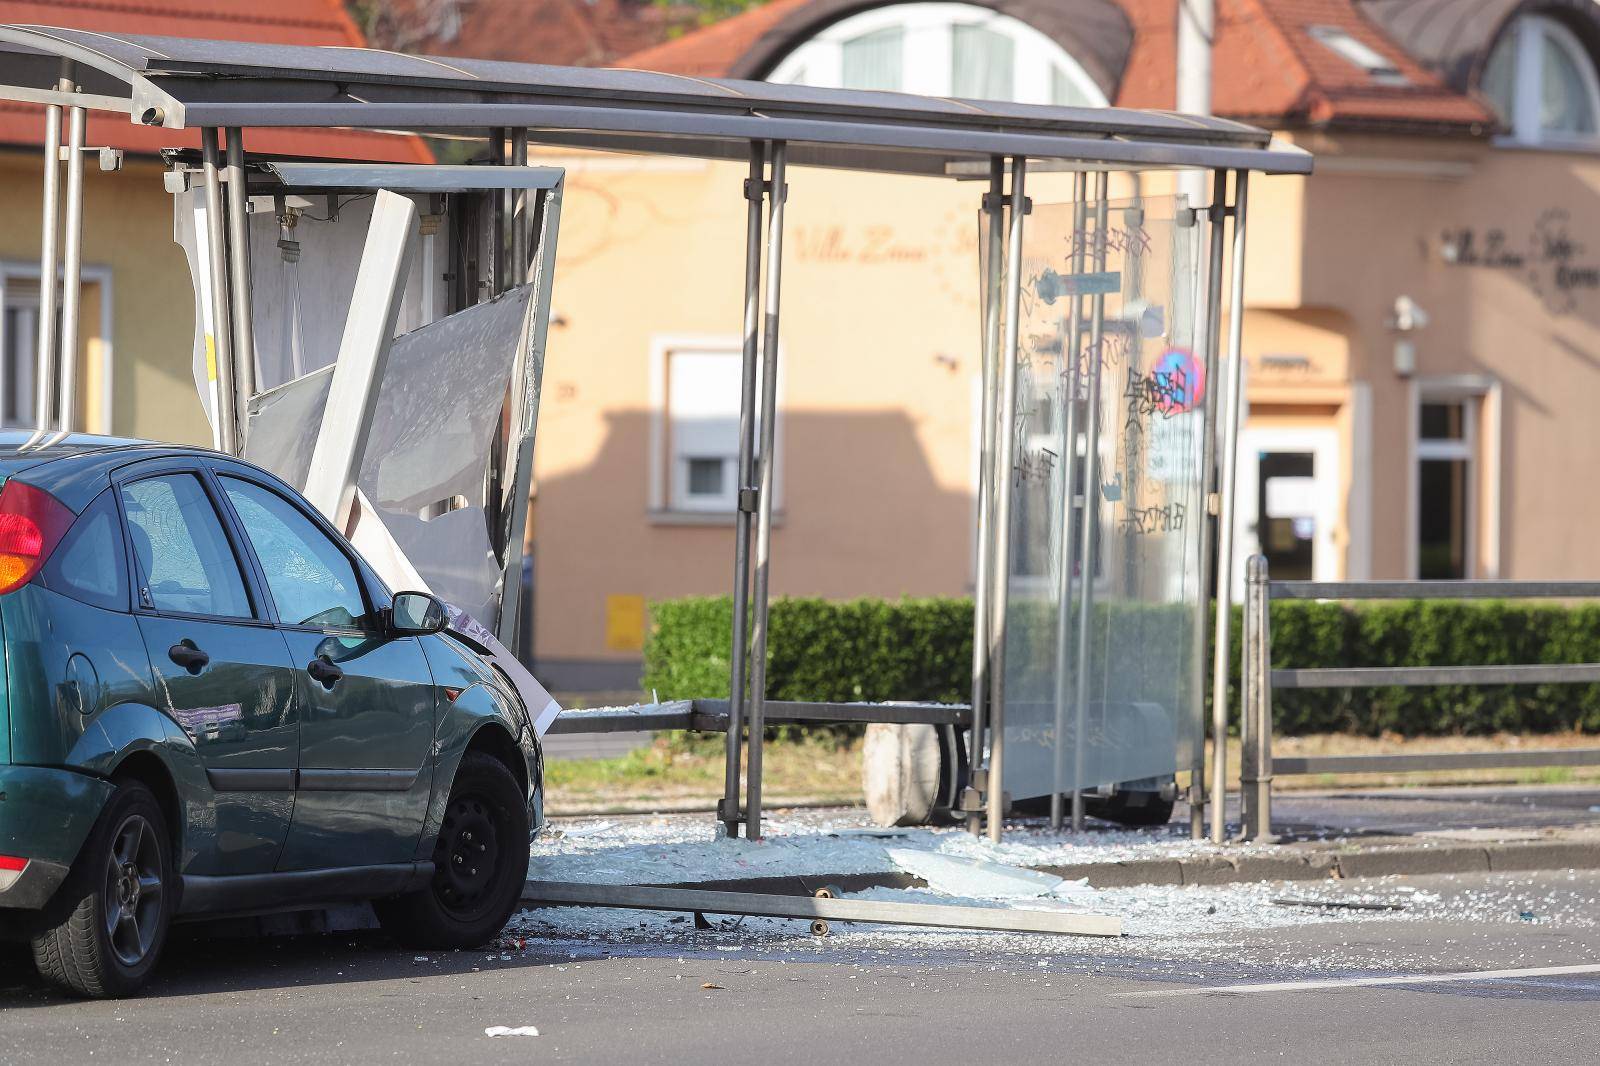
<point x="598" y="992"/>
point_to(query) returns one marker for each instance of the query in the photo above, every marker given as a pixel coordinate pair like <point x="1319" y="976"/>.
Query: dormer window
<point x="941" y="49"/>
<point x="1541" y="80"/>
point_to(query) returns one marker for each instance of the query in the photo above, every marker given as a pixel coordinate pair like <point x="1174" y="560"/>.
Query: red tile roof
<point x="578" y="33"/>
<point x="1268" y="67"/>
<point x="315" y="22"/>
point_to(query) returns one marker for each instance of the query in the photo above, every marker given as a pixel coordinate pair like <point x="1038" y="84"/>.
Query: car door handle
<point x="323" y="670"/>
<point x="187" y="655"/>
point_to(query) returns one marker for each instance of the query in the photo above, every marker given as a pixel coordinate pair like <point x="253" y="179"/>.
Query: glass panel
<point x="90" y="565"/>
<point x="1499" y="77"/>
<point x="1443" y="421"/>
<point x="1136" y="276"/>
<point x="872" y="61"/>
<point x="983" y="63"/>
<point x="188" y="567"/>
<point x="1442" y="518"/>
<point x="1564" y="102"/>
<point x="1065" y="90"/>
<point x="705" y="477"/>
<point x="311" y="581"/>
<point x="437" y="422"/>
<point x="1286" y="510"/>
<point x="21" y="352"/>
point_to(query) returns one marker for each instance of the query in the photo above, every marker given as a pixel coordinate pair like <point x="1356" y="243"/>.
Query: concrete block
<point x="1209" y="870"/>
<point x="1122" y="874"/>
<point x="1545" y="855"/>
<point x="1386" y="861"/>
<point x="1291" y="866"/>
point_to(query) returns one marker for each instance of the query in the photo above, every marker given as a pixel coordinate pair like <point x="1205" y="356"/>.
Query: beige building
<point x="1421" y="326"/>
<point x="1421" y="331"/>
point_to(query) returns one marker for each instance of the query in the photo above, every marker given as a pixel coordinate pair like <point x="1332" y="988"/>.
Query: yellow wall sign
<point x="624" y="623"/>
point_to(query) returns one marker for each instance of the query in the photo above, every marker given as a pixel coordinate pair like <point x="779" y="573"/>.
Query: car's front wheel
<point x="480" y="861"/>
<point x="121" y="891"/>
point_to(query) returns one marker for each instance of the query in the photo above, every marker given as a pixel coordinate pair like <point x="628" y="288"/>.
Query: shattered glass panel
<point x="426" y="467"/>
<point x="437" y="422"/>
<point x="1136" y="277"/>
<point x="283" y="426"/>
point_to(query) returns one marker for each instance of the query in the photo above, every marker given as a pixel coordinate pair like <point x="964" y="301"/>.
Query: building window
<point x="697" y="427"/>
<point x="941" y="49"/>
<point x="1446" y="446"/>
<point x="19" y="351"/>
<point x="1542" y="81"/>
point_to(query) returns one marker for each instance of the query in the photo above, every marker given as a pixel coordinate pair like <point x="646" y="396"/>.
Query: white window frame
<point x="1480" y="446"/>
<point x="91" y="274"/>
<point x="667" y="506"/>
<point x="927" y="64"/>
<point x="1526" y="90"/>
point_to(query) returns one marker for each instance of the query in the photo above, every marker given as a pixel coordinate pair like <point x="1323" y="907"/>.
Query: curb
<point x="1295" y="865"/>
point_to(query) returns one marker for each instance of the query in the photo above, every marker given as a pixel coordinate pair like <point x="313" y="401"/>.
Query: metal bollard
<point x="1255" y="669"/>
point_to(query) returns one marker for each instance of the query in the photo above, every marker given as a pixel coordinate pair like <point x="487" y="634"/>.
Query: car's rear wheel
<point x="121" y="895"/>
<point x="480" y="860"/>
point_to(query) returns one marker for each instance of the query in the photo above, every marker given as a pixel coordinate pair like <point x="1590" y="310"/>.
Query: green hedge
<point x="921" y="649"/>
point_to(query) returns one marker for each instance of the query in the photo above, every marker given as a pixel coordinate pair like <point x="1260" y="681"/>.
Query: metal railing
<point x="1258" y="680"/>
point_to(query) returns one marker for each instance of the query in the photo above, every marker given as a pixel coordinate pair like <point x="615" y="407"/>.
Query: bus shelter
<point x="1110" y="402"/>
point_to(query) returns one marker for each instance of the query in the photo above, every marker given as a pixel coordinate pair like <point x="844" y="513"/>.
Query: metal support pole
<point x="1256" y="709"/>
<point x="983" y="576"/>
<point x="46" y="373"/>
<point x="1072" y="359"/>
<point x="1247" y="704"/>
<point x="220" y="336"/>
<point x="1208" y="489"/>
<point x="519" y="211"/>
<point x="1005" y="461"/>
<point x="243" y="317"/>
<point x="1229" y="480"/>
<point x="71" y="272"/>
<point x="777" y="193"/>
<point x="1091" y="504"/>
<point x="500" y="213"/>
<point x="739" y="659"/>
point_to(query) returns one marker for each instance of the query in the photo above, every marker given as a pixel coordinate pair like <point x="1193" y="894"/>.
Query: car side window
<point x="90" y="564"/>
<point x="185" y="563"/>
<point x="312" y="582"/>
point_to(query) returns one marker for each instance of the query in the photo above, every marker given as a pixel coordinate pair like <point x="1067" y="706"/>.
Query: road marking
<point x="1365" y="982"/>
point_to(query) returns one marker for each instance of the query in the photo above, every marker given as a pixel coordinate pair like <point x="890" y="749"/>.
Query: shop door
<point x="1288" y="504"/>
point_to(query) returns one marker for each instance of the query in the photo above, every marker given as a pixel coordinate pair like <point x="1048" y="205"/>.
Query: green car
<point x="211" y="705"/>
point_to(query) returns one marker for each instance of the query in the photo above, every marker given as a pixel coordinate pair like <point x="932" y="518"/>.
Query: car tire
<point x="122" y="891"/>
<point x="480" y="861"/>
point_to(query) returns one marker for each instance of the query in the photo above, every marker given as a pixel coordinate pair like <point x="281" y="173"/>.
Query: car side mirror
<point x="416" y="614"/>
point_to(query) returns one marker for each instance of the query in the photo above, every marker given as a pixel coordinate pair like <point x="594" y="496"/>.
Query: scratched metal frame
<point x="1108" y="321"/>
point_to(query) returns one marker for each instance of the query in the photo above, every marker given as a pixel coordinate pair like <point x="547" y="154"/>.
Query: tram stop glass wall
<point x="1136" y="274"/>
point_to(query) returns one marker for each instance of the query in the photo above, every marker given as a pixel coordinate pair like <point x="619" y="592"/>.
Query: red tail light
<point x="32" y="523"/>
<point x="12" y="865"/>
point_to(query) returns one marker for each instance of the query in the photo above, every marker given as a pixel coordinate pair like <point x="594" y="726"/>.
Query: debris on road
<point x="509" y="1030"/>
<point x="1343" y="904"/>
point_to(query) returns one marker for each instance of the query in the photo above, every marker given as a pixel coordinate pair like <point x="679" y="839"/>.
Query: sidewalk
<point x="1342" y="834"/>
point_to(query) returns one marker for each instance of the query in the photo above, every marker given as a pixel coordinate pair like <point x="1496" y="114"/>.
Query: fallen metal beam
<point x="711" y="716"/>
<point x="639" y="897"/>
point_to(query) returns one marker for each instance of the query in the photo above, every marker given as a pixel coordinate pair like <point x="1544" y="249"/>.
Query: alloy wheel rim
<point x="134" y="890"/>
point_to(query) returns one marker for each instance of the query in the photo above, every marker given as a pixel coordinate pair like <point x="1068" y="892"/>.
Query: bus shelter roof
<point x="180" y="83"/>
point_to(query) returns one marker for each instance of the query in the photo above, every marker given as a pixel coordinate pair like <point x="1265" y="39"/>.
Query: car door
<point x="366" y="731"/>
<point x="221" y="670"/>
